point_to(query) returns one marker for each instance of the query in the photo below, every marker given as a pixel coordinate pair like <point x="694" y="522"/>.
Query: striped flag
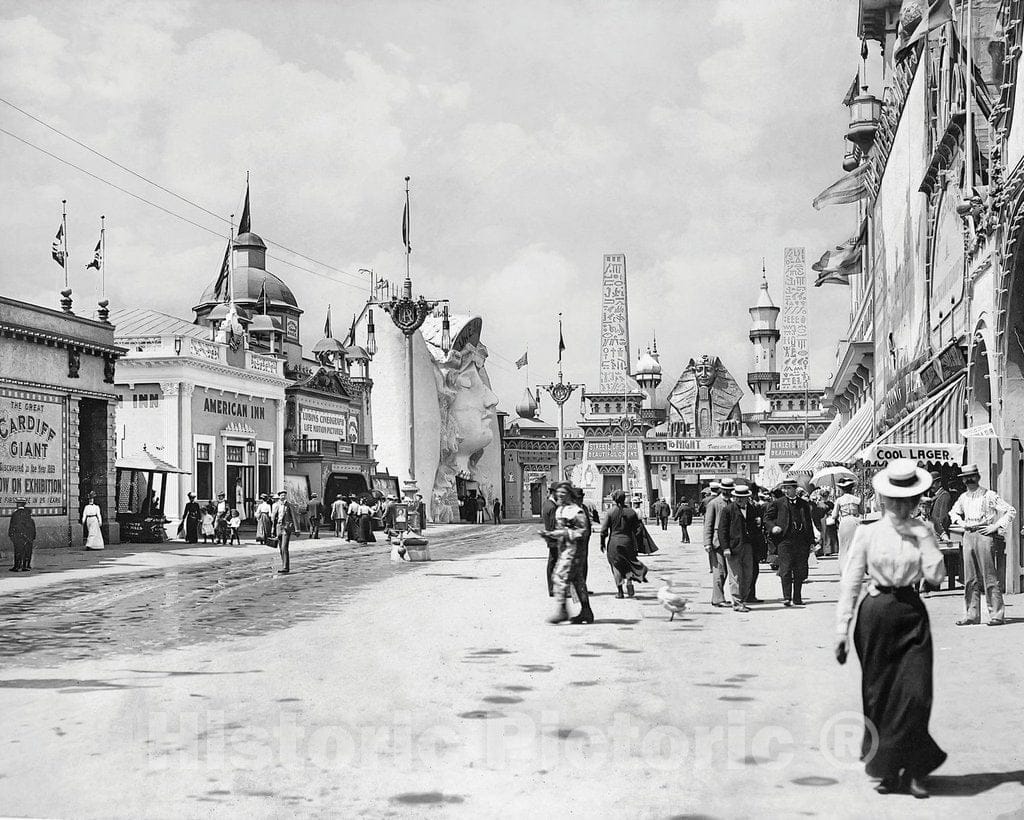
<point x="522" y="361"/>
<point x="220" y="289"/>
<point x="832" y="277"/>
<point x="59" y="252"/>
<point x="848" y="188"/>
<point x="327" y="324"/>
<point x="844" y="258"/>
<point x="97" y="256"/>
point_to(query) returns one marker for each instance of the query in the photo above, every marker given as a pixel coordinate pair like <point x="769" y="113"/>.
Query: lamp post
<point x="561" y="392"/>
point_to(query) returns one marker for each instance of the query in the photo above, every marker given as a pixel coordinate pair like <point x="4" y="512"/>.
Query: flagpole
<point x="969" y="159"/>
<point x="64" y="231"/>
<point x="103" y="257"/>
<point x="231" y="261"/>
<point x="408" y="244"/>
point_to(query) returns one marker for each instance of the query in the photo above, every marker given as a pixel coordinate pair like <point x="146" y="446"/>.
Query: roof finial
<point x="654" y="348"/>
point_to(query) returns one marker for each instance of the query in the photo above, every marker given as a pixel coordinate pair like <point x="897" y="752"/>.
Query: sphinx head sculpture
<point x="705" y="370"/>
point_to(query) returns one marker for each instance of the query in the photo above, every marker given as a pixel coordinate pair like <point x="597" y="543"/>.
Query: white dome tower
<point x="764" y="336"/>
<point x="648" y="374"/>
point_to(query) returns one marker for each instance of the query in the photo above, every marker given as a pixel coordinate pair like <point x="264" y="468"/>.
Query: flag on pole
<point x="261" y="300"/>
<point x="844" y="258"/>
<point x="934" y="14"/>
<point x="561" y="341"/>
<point x="522" y="361"/>
<point x="244" y="225"/>
<point x="854" y="90"/>
<point x="850" y="187"/>
<point x="405" y="227"/>
<point x="220" y="289"/>
<point x="97" y="256"/>
<point x="59" y="253"/>
<point x="832" y="277"/>
<point x="327" y="324"/>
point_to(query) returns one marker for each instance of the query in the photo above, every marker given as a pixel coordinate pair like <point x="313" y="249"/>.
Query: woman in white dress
<point x="92" y="520"/>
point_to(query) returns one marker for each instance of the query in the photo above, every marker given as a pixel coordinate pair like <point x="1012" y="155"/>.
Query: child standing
<point x="234" y="522"/>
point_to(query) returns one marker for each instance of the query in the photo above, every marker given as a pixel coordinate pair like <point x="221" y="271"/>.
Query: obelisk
<point x="794" y="319"/>
<point x="614" y="326"/>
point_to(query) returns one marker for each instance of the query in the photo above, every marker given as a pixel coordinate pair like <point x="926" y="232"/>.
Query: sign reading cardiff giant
<point x="323" y="424"/>
<point x="794" y="320"/>
<point x="33" y="427"/>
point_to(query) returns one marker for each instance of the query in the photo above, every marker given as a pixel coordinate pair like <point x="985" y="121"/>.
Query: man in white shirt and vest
<point x="981" y="513"/>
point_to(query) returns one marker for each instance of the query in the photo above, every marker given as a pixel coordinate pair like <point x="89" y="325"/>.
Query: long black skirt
<point x="894" y="643"/>
<point x="622" y="557"/>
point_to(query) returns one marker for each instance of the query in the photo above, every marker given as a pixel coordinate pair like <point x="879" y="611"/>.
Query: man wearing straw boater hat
<point x="788" y="521"/>
<point x="982" y="513"/>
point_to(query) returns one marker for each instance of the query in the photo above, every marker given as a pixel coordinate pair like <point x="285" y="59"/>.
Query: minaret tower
<point x="764" y="336"/>
<point x="648" y="374"/>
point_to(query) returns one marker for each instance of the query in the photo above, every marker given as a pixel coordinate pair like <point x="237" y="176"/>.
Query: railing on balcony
<point x="189" y="347"/>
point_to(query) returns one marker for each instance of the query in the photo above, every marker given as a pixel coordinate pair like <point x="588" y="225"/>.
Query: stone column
<point x="278" y="476"/>
<point x="186" y="448"/>
<point x="172" y="415"/>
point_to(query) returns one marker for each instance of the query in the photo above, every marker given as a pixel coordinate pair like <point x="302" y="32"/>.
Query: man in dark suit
<point x="284" y="526"/>
<point x="547" y="514"/>
<point x="22" y="532"/>
<point x="684" y="515"/>
<point x="711" y="541"/>
<point x="755" y="529"/>
<point x="942" y="503"/>
<point x="734" y="538"/>
<point x="788" y="520"/>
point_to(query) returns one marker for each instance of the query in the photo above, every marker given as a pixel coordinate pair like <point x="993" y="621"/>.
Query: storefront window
<point x="234" y="454"/>
<point x="264" y="455"/>
<point x="204" y="472"/>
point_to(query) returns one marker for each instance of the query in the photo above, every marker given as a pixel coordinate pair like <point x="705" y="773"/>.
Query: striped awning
<point x="839" y="443"/>
<point x="931" y="433"/>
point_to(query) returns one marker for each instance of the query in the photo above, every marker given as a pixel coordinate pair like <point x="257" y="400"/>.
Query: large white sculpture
<point x="456" y="433"/>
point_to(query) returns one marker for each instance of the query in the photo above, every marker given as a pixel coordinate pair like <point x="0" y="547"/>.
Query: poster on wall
<point x="33" y="461"/>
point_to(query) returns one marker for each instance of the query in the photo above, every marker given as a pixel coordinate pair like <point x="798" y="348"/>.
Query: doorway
<point x="538" y="492"/>
<point x="611" y="484"/>
<point x="247" y="474"/>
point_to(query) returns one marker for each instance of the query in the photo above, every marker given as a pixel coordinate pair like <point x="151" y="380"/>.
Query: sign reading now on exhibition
<point x="948" y="453"/>
<point x="979" y="431"/>
<point x="322" y="424"/>
<point x="32" y="453"/>
<point x="704" y="445"/>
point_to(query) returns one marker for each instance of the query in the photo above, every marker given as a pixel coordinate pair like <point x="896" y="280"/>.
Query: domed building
<point x="231" y="400"/>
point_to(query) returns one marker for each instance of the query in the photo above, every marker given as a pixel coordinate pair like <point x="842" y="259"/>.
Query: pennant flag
<point x="97" y="256"/>
<point x="244" y="225"/>
<point x="327" y="324"/>
<point x="933" y="15"/>
<point x="854" y="90"/>
<point x="561" y="342"/>
<point x="405" y="228"/>
<point x="261" y="300"/>
<point x="522" y="361"/>
<point x="58" y="253"/>
<point x="220" y="289"/>
<point x="848" y="188"/>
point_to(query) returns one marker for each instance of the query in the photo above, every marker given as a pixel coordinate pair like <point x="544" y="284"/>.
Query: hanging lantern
<point x="865" y="114"/>
<point x="371" y="335"/>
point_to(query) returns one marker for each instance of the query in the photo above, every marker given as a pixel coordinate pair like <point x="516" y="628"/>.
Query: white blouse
<point x="892" y="554"/>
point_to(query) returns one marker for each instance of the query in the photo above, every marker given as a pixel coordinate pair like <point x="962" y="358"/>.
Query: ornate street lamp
<point x="408" y="315"/>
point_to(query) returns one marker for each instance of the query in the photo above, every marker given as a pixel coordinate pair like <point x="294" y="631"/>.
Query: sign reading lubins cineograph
<point x="33" y="459"/>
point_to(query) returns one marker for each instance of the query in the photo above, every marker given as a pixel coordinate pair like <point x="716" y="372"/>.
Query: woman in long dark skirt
<point x="190" y="517"/>
<point x="365" y="524"/>
<point x="619" y="532"/>
<point x="892" y="634"/>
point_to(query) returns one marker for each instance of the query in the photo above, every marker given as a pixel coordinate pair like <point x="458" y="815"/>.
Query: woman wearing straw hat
<point x="846" y="512"/>
<point x="892" y="634"/>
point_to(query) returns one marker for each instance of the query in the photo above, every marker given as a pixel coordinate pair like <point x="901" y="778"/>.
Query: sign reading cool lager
<point x="942" y="453"/>
<point x="32" y="454"/>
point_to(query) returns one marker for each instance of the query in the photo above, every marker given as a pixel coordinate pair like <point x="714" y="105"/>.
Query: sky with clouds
<point x="690" y="136"/>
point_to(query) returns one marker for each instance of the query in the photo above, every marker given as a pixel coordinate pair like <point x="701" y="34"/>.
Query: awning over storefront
<point x="838" y="444"/>
<point x="930" y="434"/>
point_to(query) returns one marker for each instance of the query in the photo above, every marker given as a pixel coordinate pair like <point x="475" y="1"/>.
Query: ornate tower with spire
<point x="648" y="374"/>
<point x="764" y="336"/>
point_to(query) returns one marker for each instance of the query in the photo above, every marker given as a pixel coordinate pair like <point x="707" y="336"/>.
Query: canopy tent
<point x="839" y="443"/>
<point x="931" y="433"/>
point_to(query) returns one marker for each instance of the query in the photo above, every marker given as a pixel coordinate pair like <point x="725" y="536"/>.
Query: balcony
<point x="332" y="449"/>
<point x="185" y="348"/>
